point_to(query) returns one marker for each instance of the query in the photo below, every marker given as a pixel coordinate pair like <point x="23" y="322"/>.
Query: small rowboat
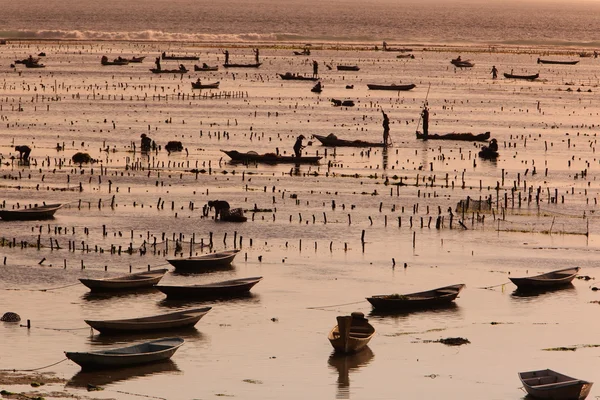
<point x="525" y="77"/>
<point x="430" y="298"/>
<point x="29" y="214"/>
<point x="465" y="136"/>
<point x="392" y="87"/>
<point x="541" y="61"/>
<point x="126" y="282"/>
<point x="288" y="76"/>
<point x="234" y="287"/>
<point x="206" y="261"/>
<point x="348" y="68"/>
<point x="142" y="353"/>
<point x="136" y="59"/>
<point x="117" y="61"/>
<point x="196" y="85"/>
<point x="169" y="71"/>
<point x="206" y="68"/>
<point x="551" y="385"/>
<point x="174" y="57"/>
<point x="269" y="158"/>
<point x="332" y="141"/>
<point x="556" y="278"/>
<point x="255" y="65"/>
<point x="163" y="322"/>
<point x="351" y="334"/>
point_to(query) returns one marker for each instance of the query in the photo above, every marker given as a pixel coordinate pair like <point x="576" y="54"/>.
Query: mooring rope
<point x="34" y="369"/>
<point x="335" y="305"/>
<point x="495" y="286"/>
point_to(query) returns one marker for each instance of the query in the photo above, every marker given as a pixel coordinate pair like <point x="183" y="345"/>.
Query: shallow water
<point x="311" y="256"/>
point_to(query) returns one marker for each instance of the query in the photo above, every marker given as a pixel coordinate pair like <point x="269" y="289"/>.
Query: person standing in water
<point x="386" y="128"/>
<point x="256" y="55"/>
<point x="315" y="69"/>
<point x="494" y="72"/>
<point x="425" y="116"/>
<point x="298" y="146"/>
<point x="226" y="52"/>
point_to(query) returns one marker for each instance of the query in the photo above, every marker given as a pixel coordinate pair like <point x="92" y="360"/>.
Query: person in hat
<point x="298" y="146"/>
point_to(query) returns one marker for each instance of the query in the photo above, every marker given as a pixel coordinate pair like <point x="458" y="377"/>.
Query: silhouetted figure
<point x="495" y="72"/>
<point x="493" y="146"/>
<point x="386" y="128"/>
<point x="220" y="207"/>
<point x="315" y="69"/>
<point x="256" y="56"/>
<point x="23" y="153"/>
<point x="425" y="116"/>
<point x="298" y="146"/>
<point x="157" y="62"/>
<point x="226" y="52"/>
<point x="146" y="142"/>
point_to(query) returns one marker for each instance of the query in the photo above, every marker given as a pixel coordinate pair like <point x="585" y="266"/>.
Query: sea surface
<point x="325" y="236"/>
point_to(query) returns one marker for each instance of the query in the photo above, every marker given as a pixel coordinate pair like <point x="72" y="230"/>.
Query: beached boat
<point x="174" y="57"/>
<point x="348" y="68"/>
<point x="351" y="334"/>
<point x="206" y="68"/>
<point x="125" y="282"/>
<point x="466" y="136"/>
<point x="254" y="65"/>
<point x="143" y="353"/>
<point x="288" y="76"/>
<point x="526" y="77"/>
<point x="269" y="158"/>
<point x="391" y="87"/>
<point x="169" y="71"/>
<point x="198" y="85"/>
<point x="332" y="141"/>
<point x="231" y="288"/>
<point x="427" y="299"/>
<point x="556" y="278"/>
<point x="405" y="56"/>
<point x="551" y="385"/>
<point x="206" y="261"/>
<point x="30" y="214"/>
<point x="463" y="64"/>
<point x="566" y="62"/>
<point x="162" y="322"/>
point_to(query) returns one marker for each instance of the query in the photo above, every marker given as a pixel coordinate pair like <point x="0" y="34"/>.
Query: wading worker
<point x="298" y="146"/>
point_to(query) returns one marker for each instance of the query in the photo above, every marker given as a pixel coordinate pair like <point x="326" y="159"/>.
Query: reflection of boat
<point x="333" y="141"/>
<point x="540" y="61"/>
<point x="466" y="136"/>
<point x="269" y="158"/>
<point x="351" y="334"/>
<point x="198" y="85"/>
<point x="126" y="282"/>
<point x="29" y="214"/>
<point x="550" y="279"/>
<point x="83" y="379"/>
<point x="170" y="321"/>
<point x="232" y="287"/>
<point x="348" y="68"/>
<point x="345" y="363"/>
<point x="526" y="77"/>
<point x="551" y="385"/>
<point x="143" y="353"/>
<point x="426" y="299"/>
<point x="206" y="261"/>
<point x="392" y="87"/>
<point x="205" y="67"/>
<point x="255" y="65"/>
<point x="288" y="76"/>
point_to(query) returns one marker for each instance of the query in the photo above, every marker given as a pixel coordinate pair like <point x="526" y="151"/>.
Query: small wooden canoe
<point x="551" y="385"/>
<point x="206" y="68"/>
<point x="142" y="353"/>
<point x="392" y="87"/>
<point x="288" y="76"/>
<point x="269" y="158"/>
<point x="175" y="57"/>
<point x="541" y="61"/>
<point x="163" y="322"/>
<point x="29" y="214"/>
<point x="348" y="68"/>
<point x="168" y="71"/>
<point x="234" y="287"/>
<point x="556" y="278"/>
<point x="427" y="299"/>
<point x="136" y="59"/>
<point x="197" y="85"/>
<point x="464" y="136"/>
<point x="125" y="282"/>
<point x="255" y="65"/>
<point x="333" y="141"/>
<point x="525" y="77"/>
<point x="206" y="261"/>
<point x="351" y="334"/>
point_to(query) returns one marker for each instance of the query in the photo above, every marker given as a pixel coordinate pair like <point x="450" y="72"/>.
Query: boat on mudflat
<point x="348" y="68"/>
<point x="174" y="57"/>
<point x="561" y="62"/>
<point x="198" y="85"/>
<point x="269" y="158"/>
<point x="391" y="87"/>
<point x="254" y="65"/>
<point x="205" y="67"/>
<point x="125" y="282"/>
<point x="525" y="77"/>
<point x="169" y="71"/>
<point x="289" y="76"/>
<point x="143" y="353"/>
<point x="205" y="261"/>
<point x="162" y="322"/>
<point x="466" y="136"/>
<point x="427" y="299"/>
<point x="117" y="61"/>
<point x="551" y="385"/>
<point x="351" y="334"/>
<point x="550" y="279"/>
<point x="333" y="141"/>
<point x="231" y="288"/>
<point x="463" y="64"/>
<point x="30" y="214"/>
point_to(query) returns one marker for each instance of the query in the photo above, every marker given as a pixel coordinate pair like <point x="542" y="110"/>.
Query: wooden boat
<point x="174" y="57"/>
<point x="30" y="214"/>
<point x="233" y="215"/>
<point x="391" y="87"/>
<point x="430" y="298"/>
<point x="405" y="56"/>
<point x="348" y="68"/>
<point x="549" y="279"/>
<point x="466" y="136"/>
<point x="28" y="61"/>
<point x="344" y="103"/>
<point x="463" y="64"/>
<point x="117" y="61"/>
<point x="351" y="334"/>
<point x="255" y="65"/>
<point x="125" y="282"/>
<point x="206" y="68"/>
<point x="169" y="71"/>
<point x="488" y="154"/>
<point x="332" y="141"/>
<point x="136" y="59"/>
<point x="288" y="76"/>
<point x="34" y="65"/>
<point x="551" y="385"/>
<point x="269" y="158"/>
<point x="205" y="261"/>
<point x="174" y="320"/>
<point x="234" y="287"/>
<point x="526" y="77"/>
<point x="214" y="85"/>
<point x="541" y="61"/>
<point x="142" y="353"/>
